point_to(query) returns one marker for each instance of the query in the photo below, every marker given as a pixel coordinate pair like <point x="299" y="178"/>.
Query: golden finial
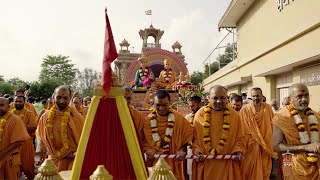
<point x="101" y="173"/>
<point x="161" y="171"/>
<point x="115" y="80"/>
<point x="48" y="170"/>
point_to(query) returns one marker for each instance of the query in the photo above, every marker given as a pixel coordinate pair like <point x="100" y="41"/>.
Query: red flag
<point x="148" y="12"/>
<point x="109" y="55"/>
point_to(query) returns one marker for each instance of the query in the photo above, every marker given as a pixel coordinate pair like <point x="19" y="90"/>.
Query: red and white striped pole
<point x="207" y="157"/>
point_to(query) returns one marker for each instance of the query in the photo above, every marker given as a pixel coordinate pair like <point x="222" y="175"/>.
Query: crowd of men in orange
<point x="49" y="128"/>
<point x="251" y="129"/>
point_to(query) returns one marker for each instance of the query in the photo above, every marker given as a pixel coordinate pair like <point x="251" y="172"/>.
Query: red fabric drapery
<point x="107" y="144"/>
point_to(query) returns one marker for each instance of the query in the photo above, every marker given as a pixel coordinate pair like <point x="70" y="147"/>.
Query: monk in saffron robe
<point x="29" y="106"/>
<point x="167" y="132"/>
<point x="27" y="149"/>
<point x="137" y="117"/>
<point x="13" y="135"/>
<point x="60" y="129"/>
<point x="256" y="118"/>
<point x="296" y="128"/>
<point x="86" y="104"/>
<point x="167" y="77"/>
<point x="78" y="105"/>
<point x="195" y="105"/>
<point x="218" y="131"/>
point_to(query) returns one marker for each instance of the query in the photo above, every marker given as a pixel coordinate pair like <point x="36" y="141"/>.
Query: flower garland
<point x="63" y="131"/>
<point x="168" y="133"/>
<point x="313" y="123"/>
<point x="3" y="121"/>
<point x="303" y="134"/>
<point x="21" y="115"/>
<point x="167" y="75"/>
<point x="192" y="118"/>
<point x="143" y="73"/>
<point x="206" y="130"/>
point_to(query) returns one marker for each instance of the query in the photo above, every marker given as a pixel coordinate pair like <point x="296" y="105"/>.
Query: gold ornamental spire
<point x="47" y="171"/>
<point x="161" y="171"/>
<point x="101" y="173"/>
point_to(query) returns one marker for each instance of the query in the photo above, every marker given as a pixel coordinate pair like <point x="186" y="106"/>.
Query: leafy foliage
<point x="196" y="77"/>
<point x="86" y="80"/>
<point x="222" y="60"/>
<point x="57" y="69"/>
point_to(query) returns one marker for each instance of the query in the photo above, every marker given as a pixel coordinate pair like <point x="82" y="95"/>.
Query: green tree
<point x="6" y="88"/>
<point x="196" y="77"/>
<point x="222" y="60"/>
<point x="44" y="88"/>
<point x="227" y="57"/>
<point x="57" y="69"/>
<point x="214" y="67"/>
<point x="86" y="81"/>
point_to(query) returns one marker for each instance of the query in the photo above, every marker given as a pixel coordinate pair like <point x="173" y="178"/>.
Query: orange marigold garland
<point x="63" y="131"/>
<point x="3" y="121"/>
<point x="169" y="130"/>
<point x="206" y="130"/>
<point x="21" y="115"/>
<point x="192" y="118"/>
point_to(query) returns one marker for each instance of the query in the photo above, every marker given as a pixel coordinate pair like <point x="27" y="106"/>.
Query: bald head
<point x="299" y="95"/>
<point x="62" y="88"/>
<point x="62" y="96"/>
<point x="218" y="97"/>
<point x="297" y="86"/>
<point x="4" y="106"/>
<point x="217" y="88"/>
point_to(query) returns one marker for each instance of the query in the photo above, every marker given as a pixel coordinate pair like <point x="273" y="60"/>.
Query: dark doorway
<point x="156" y="69"/>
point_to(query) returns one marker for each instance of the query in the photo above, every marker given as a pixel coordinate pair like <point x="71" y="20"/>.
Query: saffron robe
<point x="301" y="168"/>
<point x="162" y="84"/>
<point x="74" y="128"/>
<point x="182" y="134"/>
<point x="27" y="148"/>
<point x="258" y="138"/>
<point x="218" y="169"/>
<point x="14" y="131"/>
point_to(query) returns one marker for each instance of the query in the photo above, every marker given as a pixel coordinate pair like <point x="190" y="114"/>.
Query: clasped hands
<point x="313" y="147"/>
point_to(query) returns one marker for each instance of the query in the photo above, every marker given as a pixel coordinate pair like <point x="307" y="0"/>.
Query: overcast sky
<point x="32" y="29"/>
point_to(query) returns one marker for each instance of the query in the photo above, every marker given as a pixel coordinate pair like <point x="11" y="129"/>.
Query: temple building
<point x="127" y="63"/>
<point x="278" y="45"/>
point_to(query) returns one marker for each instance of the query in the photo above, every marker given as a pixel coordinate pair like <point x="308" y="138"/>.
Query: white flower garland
<point x="313" y="123"/>
<point x="169" y="129"/>
<point x="143" y="74"/>
<point x="167" y="76"/>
